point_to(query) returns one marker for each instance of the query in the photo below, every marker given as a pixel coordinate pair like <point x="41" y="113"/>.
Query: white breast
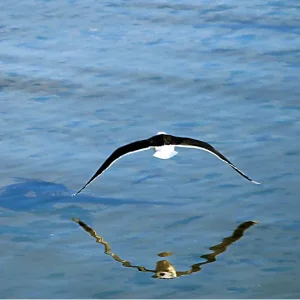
<point x="165" y="152"/>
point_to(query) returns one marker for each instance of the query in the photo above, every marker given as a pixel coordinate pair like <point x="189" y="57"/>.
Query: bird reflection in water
<point x="165" y="269"/>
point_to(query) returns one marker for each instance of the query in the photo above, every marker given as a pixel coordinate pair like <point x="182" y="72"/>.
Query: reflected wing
<point x="108" y="249"/>
<point x="219" y="248"/>
<point x="122" y="151"/>
<point x="222" y="247"/>
<point x="192" y="143"/>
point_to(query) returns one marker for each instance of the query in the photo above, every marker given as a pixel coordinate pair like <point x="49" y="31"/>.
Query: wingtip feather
<point x="255" y="222"/>
<point x="255" y="182"/>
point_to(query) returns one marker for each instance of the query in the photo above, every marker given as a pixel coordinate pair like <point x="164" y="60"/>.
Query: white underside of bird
<point x="164" y="152"/>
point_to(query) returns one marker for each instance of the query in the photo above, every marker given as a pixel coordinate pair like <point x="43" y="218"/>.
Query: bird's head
<point x="164" y="270"/>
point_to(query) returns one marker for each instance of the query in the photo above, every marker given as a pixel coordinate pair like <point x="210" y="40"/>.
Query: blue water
<point x="80" y="78"/>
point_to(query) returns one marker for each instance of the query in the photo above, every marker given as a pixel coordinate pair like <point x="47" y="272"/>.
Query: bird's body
<point x="164" y="147"/>
<point x="164" y="152"/>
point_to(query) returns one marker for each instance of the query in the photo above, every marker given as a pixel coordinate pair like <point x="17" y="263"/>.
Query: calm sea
<point x="81" y="78"/>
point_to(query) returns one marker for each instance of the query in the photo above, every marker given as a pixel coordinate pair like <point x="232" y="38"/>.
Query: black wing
<point x="192" y="143"/>
<point x="124" y="150"/>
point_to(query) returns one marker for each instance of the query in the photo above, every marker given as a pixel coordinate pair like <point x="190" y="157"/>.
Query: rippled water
<point x="80" y="78"/>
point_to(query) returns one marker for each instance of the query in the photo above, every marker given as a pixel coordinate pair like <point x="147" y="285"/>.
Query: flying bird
<point x="164" y="148"/>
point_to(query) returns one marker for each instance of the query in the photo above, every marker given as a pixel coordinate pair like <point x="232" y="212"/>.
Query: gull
<point x="164" y="148"/>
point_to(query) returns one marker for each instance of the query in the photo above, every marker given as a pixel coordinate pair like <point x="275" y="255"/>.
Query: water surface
<point x="79" y="79"/>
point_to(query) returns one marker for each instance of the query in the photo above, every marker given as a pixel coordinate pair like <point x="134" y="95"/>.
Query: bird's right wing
<point x="193" y="143"/>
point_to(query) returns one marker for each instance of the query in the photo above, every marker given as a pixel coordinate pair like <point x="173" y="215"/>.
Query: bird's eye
<point x="161" y="274"/>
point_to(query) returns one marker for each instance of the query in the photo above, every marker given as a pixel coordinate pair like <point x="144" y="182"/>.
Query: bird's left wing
<point x="118" y="153"/>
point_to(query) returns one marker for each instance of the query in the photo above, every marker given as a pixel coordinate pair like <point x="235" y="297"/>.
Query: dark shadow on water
<point x="32" y="195"/>
<point x="165" y="269"/>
